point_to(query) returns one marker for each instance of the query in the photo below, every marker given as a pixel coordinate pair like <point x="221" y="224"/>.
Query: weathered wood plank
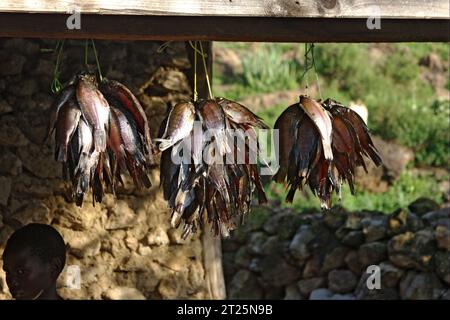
<point x="438" y="9"/>
<point x="223" y="28"/>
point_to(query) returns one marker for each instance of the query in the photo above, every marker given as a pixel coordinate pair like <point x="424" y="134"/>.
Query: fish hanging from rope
<point x="321" y="144"/>
<point x="208" y="183"/>
<point x="101" y="132"/>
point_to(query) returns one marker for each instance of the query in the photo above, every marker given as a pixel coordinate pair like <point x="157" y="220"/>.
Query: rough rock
<point x="434" y="218"/>
<point x="423" y="205"/>
<point x="335" y="218"/>
<point x="245" y="286"/>
<point x="81" y="244"/>
<point x="312" y="268"/>
<point x="277" y="272"/>
<point x="335" y="259"/>
<point x="374" y="229"/>
<point x="321" y="294"/>
<point x="299" y="246"/>
<point x="10" y="135"/>
<point x="157" y="237"/>
<point x="353" y="263"/>
<point x="39" y="160"/>
<point x="353" y="221"/>
<point x="306" y="286"/>
<point x="390" y="275"/>
<point x="5" y="190"/>
<point x="362" y="291"/>
<point x="292" y="293"/>
<point x="372" y="253"/>
<point x="341" y="281"/>
<point x="442" y="264"/>
<point x="242" y="258"/>
<point x="272" y="244"/>
<point x="123" y="293"/>
<point x="395" y="157"/>
<point x="11" y="65"/>
<point x="343" y="297"/>
<point x="5" y="107"/>
<point x="10" y="164"/>
<point x="256" y="242"/>
<point x="32" y="212"/>
<point x="443" y="237"/>
<point x="353" y="239"/>
<point x="420" y="286"/>
<point x="121" y="216"/>
<point x="409" y="250"/>
<point x="27" y="87"/>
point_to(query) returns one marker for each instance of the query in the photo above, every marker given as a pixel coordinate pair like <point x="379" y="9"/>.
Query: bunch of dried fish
<point x="321" y="144"/>
<point x="101" y="131"/>
<point x="206" y="163"/>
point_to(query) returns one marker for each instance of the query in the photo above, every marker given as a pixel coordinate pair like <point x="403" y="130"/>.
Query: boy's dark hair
<point x="42" y="240"/>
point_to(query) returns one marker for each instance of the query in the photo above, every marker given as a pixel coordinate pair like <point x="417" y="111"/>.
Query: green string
<point x="195" y="73"/>
<point x="56" y="85"/>
<point x="206" y="71"/>
<point x="96" y="60"/>
<point x="163" y="47"/>
<point x="310" y="63"/>
<point x="203" y="55"/>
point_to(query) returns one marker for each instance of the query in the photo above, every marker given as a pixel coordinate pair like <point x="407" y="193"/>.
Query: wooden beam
<point x="438" y="9"/>
<point x="224" y="29"/>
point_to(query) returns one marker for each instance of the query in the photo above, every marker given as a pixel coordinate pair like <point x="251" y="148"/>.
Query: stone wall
<point x="282" y="254"/>
<point x="124" y="247"/>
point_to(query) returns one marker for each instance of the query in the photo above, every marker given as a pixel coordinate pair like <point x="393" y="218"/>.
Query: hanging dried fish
<point x="321" y="144"/>
<point x="194" y="185"/>
<point x="100" y="134"/>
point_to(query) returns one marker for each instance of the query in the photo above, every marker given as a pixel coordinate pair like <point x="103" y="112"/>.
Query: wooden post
<point x="212" y="246"/>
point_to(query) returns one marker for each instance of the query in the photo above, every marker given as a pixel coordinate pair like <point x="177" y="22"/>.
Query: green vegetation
<point x="387" y="78"/>
<point x="402" y="192"/>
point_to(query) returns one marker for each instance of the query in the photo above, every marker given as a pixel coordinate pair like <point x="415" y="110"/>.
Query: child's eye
<point x="20" y="272"/>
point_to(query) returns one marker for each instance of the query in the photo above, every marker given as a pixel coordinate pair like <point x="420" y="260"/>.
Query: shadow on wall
<point x="123" y="248"/>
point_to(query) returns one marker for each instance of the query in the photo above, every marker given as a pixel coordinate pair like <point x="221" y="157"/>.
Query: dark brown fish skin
<point x="362" y="131"/>
<point x="222" y="191"/>
<point x="214" y="119"/>
<point x="286" y="124"/>
<point x="95" y="109"/>
<point x="304" y="150"/>
<point x="62" y="98"/>
<point x="129" y="136"/>
<point x="168" y="174"/>
<point x="114" y="141"/>
<point x="66" y="125"/>
<point x="129" y="101"/>
<point x="353" y="120"/>
<point x="217" y="175"/>
<point x="124" y="142"/>
<point x="240" y="114"/>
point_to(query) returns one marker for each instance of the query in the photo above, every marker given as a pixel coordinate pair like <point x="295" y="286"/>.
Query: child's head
<point x="34" y="257"/>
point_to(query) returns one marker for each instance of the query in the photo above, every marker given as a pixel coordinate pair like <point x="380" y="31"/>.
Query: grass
<point x="399" y="195"/>
<point x="387" y="78"/>
<point x="402" y="107"/>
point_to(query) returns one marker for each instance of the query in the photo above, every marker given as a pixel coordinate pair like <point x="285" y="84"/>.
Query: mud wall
<point x="124" y="247"/>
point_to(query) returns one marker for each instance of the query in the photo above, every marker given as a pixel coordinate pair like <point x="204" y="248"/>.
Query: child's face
<point x="27" y="275"/>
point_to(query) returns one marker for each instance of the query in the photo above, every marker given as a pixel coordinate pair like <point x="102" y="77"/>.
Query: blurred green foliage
<point x="387" y="78"/>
